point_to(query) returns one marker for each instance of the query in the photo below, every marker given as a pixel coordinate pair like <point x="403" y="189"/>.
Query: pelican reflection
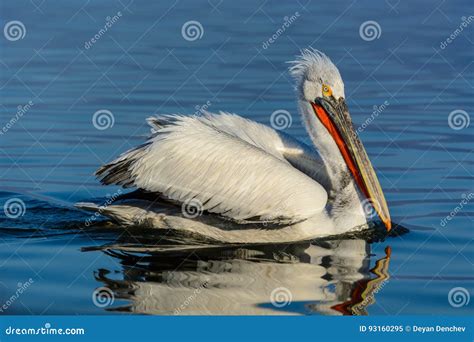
<point x="328" y="277"/>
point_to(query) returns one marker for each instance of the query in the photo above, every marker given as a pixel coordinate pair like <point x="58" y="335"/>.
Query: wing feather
<point x="229" y="165"/>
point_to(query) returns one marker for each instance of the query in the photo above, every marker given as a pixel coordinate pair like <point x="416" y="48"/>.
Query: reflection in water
<point x="330" y="277"/>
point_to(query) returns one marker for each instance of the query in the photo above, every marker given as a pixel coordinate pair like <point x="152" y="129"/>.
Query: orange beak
<point x="334" y="115"/>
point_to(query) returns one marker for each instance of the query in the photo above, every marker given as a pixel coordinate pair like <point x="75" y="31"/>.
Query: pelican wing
<point x="229" y="165"/>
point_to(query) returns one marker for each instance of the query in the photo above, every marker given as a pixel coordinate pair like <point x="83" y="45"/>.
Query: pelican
<point x="246" y="182"/>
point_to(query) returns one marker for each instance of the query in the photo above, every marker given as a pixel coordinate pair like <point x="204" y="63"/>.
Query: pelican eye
<point x="327" y="91"/>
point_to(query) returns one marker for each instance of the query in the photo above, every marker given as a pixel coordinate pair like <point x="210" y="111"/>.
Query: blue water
<point x="143" y="66"/>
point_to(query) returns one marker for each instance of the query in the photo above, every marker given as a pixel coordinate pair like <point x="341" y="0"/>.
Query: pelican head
<point x="321" y="94"/>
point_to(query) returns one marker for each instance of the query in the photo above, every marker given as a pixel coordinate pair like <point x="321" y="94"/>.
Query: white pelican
<point x="249" y="182"/>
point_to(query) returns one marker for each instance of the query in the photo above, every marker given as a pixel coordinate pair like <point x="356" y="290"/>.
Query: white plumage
<point x="228" y="165"/>
<point x="244" y="172"/>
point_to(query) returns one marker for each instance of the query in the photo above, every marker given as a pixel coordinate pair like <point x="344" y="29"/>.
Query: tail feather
<point x="119" y="171"/>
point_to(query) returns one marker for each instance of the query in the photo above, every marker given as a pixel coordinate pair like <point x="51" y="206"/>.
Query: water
<point x="143" y="66"/>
